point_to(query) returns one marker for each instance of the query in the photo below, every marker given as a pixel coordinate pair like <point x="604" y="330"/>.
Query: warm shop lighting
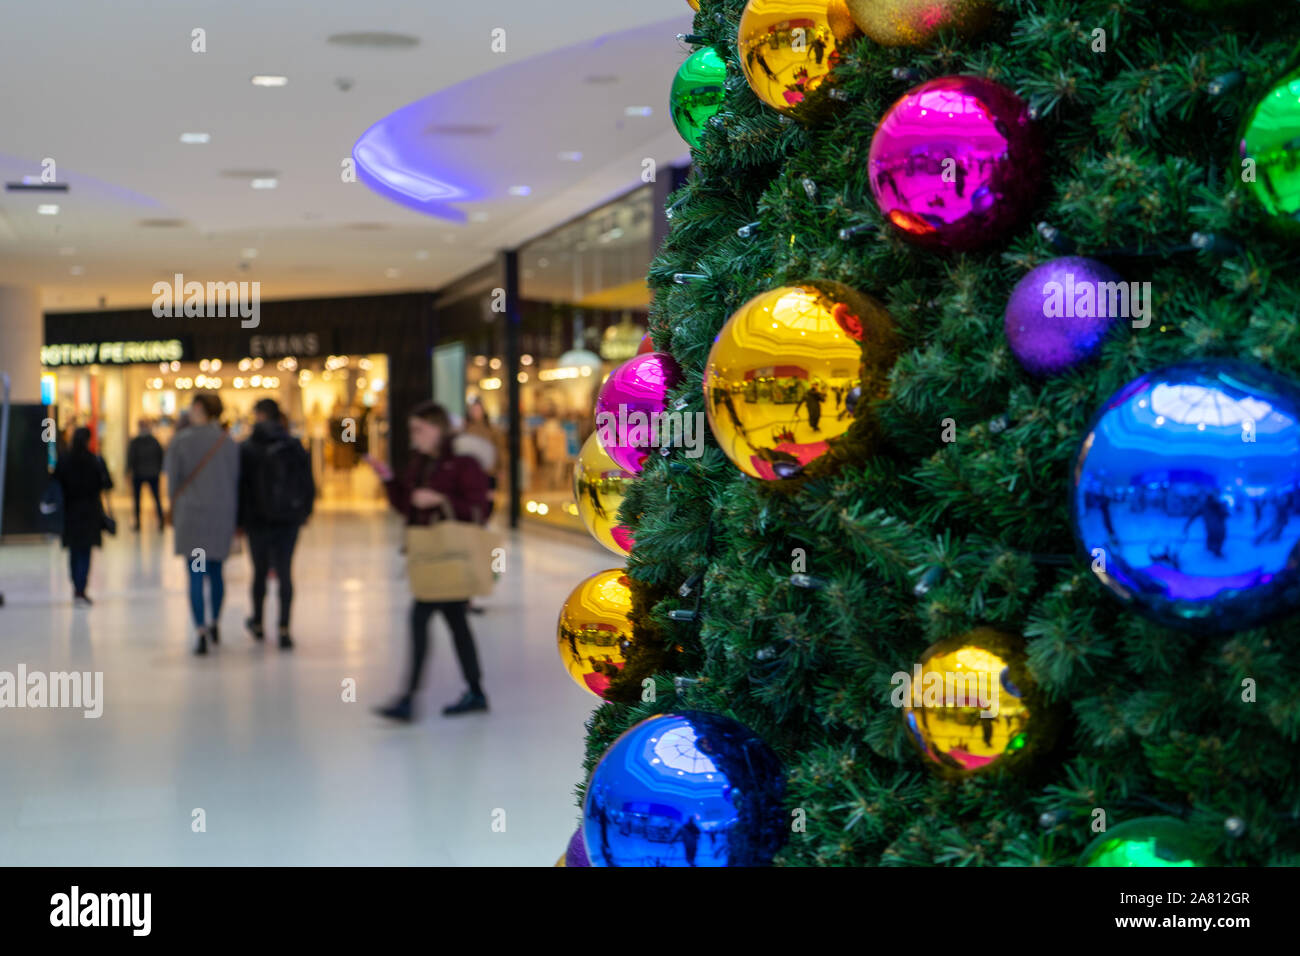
<point x="490" y="384"/>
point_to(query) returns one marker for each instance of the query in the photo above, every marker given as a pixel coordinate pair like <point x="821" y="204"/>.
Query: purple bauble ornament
<point x="629" y="407"/>
<point x="576" y="854"/>
<point x="1060" y="313"/>
<point x="956" y="163"/>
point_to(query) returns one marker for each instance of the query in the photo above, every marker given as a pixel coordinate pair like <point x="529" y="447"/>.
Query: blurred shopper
<point x="202" y="466"/>
<point x="479" y="426"/>
<point x="144" y="461"/>
<point x="276" y="495"/>
<point x="437" y="485"/>
<point x="83" y="478"/>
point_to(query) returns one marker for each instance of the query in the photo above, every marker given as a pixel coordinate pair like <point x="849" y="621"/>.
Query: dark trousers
<point x="271" y="546"/>
<point x="461" y="637"/>
<point x="138" y="482"/>
<point x="79" y="568"/>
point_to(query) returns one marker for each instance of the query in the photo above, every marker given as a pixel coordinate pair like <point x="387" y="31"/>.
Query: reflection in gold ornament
<point x="594" y="630"/>
<point x="786" y="373"/>
<point x="965" y="704"/>
<point x="787" y="49"/>
<point x="917" y="22"/>
<point x="598" y="488"/>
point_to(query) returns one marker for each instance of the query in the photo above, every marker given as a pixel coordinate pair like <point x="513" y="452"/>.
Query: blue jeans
<point x="216" y="586"/>
<point x="79" y="568"/>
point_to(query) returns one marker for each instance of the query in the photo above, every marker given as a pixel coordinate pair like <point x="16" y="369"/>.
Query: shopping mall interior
<point x="399" y="206"/>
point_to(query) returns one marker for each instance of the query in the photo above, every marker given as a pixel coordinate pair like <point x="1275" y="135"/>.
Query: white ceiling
<point x="106" y="89"/>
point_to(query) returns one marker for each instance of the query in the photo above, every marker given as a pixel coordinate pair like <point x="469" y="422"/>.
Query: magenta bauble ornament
<point x="630" y="409"/>
<point x="956" y="163"/>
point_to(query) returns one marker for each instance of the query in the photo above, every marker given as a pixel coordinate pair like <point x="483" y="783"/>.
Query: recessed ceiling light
<point x="520" y="190"/>
<point x="248" y="253"/>
<point x="479" y="217"/>
<point x="195" y="137"/>
<point x="637" y="111"/>
<point x="572" y="156"/>
<point x="264" y="183"/>
<point x="269" y="79"/>
<point x="47" y="209"/>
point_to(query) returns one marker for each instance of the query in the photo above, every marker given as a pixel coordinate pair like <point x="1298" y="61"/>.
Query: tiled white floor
<point x="262" y="742"/>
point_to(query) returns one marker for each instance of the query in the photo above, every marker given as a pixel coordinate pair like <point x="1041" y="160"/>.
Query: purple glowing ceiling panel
<point x="490" y="136"/>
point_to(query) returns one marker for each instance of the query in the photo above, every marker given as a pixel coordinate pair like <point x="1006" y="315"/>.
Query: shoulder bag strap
<point x="202" y="464"/>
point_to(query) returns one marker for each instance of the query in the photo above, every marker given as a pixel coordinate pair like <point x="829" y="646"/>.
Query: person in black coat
<point x="144" y="463"/>
<point x="84" y="477"/>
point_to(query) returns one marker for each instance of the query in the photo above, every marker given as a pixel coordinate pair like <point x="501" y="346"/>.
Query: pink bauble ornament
<point x="956" y="163"/>
<point x="630" y="405"/>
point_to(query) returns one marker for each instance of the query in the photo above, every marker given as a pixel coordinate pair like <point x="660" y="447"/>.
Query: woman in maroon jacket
<point x="437" y="485"/>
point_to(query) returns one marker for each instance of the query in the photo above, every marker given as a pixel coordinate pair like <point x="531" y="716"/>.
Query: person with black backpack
<point x="276" y="496"/>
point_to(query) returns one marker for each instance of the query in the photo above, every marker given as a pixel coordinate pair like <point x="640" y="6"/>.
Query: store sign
<point x="113" y="353"/>
<point x="273" y="346"/>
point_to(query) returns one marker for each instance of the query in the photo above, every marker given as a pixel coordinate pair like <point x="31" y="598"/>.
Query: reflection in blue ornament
<point x="685" y="789"/>
<point x="1186" y="495"/>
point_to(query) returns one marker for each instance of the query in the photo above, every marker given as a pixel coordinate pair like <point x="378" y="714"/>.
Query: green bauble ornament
<point x="698" y="91"/>
<point x="1270" y="152"/>
<point x="1149" y="841"/>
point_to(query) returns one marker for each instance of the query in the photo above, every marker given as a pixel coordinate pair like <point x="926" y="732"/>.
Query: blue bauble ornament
<point x="1186" y="495"/>
<point x="1060" y="313"/>
<point x="685" y="789"/>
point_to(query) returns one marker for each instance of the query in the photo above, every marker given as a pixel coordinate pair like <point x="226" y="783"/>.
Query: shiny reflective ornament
<point x="631" y="406"/>
<point x="1059" y="314"/>
<point x="956" y="163"/>
<point x="576" y="854"/>
<point x="787" y="371"/>
<point x="686" y="789"/>
<point x="970" y="705"/>
<point x="594" y="631"/>
<point x="598" y="488"/>
<point x="918" y="22"/>
<point x="841" y="21"/>
<point x="1149" y="841"/>
<point x="695" y="5"/>
<point x="1186" y="495"/>
<point x="697" y="93"/>
<point x="1270" y="139"/>
<point x="787" y="50"/>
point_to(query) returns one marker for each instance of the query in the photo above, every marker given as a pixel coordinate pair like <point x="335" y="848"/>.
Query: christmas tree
<point x="787" y="583"/>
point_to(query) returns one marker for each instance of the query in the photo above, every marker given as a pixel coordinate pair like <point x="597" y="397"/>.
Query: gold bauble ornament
<point x="787" y="49"/>
<point x="787" y="372"/>
<point x="695" y="5"/>
<point x="594" y="630"/>
<point x="560" y="861"/>
<point x="598" y="489"/>
<point x="917" y="22"/>
<point x="970" y="705"/>
<point x="841" y="20"/>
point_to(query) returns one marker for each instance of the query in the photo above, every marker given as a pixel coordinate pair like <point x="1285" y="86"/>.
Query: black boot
<point x="201" y="643"/>
<point x="255" y="628"/>
<point x="286" y="642"/>
<point x="399" y="710"/>
<point x="469" y="702"/>
<point x="214" y="634"/>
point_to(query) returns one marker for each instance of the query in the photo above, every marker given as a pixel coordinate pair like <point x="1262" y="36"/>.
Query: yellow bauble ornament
<point x="841" y="20"/>
<point x="917" y="22"/>
<point x="695" y="5"/>
<point x="970" y="705"/>
<point x="560" y="861"/>
<point x="594" y="631"/>
<point x="598" y="489"/>
<point x="787" y="372"/>
<point x="787" y="49"/>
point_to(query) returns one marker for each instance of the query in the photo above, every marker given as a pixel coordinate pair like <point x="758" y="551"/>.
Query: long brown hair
<point x="435" y="414"/>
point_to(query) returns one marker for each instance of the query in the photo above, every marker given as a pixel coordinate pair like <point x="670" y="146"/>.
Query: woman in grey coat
<point x="202" y="468"/>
